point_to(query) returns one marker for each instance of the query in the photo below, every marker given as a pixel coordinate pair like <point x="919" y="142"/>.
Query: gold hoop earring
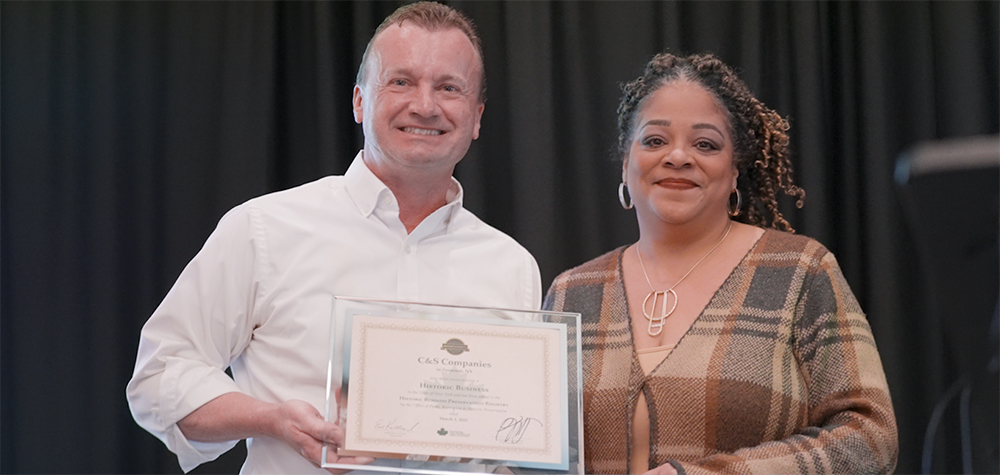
<point x="739" y="204"/>
<point x="621" y="197"/>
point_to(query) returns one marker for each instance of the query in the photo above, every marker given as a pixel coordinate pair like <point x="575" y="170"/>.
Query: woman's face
<point x="680" y="165"/>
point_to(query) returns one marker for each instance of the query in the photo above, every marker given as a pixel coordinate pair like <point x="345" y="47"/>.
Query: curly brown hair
<point x="760" y="135"/>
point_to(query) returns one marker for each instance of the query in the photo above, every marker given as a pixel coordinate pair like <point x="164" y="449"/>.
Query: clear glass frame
<point x="399" y="370"/>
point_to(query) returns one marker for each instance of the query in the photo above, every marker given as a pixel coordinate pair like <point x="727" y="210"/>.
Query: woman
<point x="720" y="342"/>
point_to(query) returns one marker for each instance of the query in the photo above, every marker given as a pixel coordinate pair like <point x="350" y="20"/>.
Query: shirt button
<point x="406" y="249"/>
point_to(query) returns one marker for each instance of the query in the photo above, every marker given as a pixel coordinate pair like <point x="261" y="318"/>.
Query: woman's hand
<point x="665" y="469"/>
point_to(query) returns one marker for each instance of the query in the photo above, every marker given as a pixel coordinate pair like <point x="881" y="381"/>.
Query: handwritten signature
<point x="512" y="429"/>
<point x="393" y="425"/>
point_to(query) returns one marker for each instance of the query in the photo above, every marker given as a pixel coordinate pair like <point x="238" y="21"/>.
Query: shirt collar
<point x="368" y="192"/>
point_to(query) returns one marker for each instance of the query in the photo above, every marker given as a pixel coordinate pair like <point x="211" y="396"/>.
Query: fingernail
<point x="365" y="460"/>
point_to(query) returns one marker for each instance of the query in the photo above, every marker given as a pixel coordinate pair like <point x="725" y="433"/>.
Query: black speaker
<point x="950" y="191"/>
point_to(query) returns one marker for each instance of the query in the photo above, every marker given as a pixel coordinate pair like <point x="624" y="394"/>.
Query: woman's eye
<point x="706" y="145"/>
<point x="653" y="142"/>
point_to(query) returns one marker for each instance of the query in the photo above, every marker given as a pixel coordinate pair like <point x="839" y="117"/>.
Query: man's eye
<point x="450" y="88"/>
<point x="398" y="82"/>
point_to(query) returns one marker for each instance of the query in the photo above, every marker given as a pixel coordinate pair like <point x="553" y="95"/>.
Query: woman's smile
<point x="677" y="183"/>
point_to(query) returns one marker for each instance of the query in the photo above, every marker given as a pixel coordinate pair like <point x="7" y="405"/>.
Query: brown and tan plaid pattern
<point x="780" y="373"/>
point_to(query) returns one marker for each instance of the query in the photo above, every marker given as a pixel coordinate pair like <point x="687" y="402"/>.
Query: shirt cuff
<point x="186" y="386"/>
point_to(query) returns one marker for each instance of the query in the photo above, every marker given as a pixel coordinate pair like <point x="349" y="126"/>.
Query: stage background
<point x="129" y="128"/>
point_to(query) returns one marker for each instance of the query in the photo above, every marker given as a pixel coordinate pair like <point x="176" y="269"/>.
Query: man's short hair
<point x="431" y="16"/>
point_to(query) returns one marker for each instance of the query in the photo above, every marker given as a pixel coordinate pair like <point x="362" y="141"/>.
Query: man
<point x="257" y="297"/>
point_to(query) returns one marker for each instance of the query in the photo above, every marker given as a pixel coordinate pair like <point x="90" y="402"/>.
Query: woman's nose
<point x="677" y="157"/>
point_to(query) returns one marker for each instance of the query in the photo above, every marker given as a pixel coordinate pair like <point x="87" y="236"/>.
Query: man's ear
<point x="358" y="110"/>
<point x="479" y="117"/>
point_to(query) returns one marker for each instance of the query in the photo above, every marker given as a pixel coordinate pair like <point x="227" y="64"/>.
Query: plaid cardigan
<point x="779" y="374"/>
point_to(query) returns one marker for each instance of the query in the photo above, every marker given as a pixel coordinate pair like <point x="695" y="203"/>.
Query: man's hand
<point x="300" y="426"/>
<point x="235" y="416"/>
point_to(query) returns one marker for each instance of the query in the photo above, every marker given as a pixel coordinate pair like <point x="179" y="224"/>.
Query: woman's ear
<point x="736" y="174"/>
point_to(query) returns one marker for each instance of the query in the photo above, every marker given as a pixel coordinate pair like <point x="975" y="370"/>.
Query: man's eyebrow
<point x="451" y="78"/>
<point x="406" y="72"/>
<point x="396" y="71"/>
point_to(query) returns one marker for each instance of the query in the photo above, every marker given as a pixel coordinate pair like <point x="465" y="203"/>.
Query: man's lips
<point x="677" y="183"/>
<point x="421" y="131"/>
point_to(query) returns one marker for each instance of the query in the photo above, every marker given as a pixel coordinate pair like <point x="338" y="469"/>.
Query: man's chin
<point x="418" y="156"/>
<point x="426" y="162"/>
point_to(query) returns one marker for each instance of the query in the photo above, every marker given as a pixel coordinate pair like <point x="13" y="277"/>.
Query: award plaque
<point x="431" y="389"/>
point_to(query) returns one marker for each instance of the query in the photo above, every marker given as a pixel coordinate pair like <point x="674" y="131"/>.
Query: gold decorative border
<point x="447" y="327"/>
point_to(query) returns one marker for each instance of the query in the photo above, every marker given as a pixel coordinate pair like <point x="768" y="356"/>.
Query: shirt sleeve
<point x="200" y="327"/>
<point x="851" y="424"/>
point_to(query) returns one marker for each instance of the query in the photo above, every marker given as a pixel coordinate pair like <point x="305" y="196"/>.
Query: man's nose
<point x="424" y="102"/>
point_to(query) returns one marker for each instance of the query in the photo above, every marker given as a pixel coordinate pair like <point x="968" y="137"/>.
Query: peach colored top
<point x="649" y="359"/>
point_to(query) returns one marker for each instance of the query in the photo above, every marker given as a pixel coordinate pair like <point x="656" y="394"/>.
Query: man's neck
<point x="417" y="202"/>
<point x="418" y="192"/>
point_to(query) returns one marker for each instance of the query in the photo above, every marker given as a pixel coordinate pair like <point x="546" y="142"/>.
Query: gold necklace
<point x="656" y="324"/>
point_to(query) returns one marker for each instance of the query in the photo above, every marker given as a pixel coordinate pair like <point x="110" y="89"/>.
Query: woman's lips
<point x="677" y="183"/>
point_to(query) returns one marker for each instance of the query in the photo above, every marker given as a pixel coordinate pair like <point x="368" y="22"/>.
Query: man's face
<point x="419" y="106"/>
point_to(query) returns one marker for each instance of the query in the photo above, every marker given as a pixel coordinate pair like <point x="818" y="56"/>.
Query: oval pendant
<point x="656" y="321"/>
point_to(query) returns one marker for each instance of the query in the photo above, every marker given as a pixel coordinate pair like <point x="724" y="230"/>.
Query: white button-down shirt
<point x="257" y="298"/>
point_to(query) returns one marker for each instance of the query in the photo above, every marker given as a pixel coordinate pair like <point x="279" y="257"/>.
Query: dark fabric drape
<point x="129" y="128"/>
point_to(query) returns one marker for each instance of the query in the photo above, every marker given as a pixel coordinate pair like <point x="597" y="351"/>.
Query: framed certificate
<point x="441" y="389"/>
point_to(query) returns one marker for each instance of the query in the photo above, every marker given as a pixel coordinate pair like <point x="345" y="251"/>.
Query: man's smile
<point x="419" y="131"/>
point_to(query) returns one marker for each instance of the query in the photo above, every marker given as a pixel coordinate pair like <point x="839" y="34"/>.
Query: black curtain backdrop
<point x="129" y="128"/>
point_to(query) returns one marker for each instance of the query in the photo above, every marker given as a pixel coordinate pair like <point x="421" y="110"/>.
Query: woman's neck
<point x="679" y="240"/>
